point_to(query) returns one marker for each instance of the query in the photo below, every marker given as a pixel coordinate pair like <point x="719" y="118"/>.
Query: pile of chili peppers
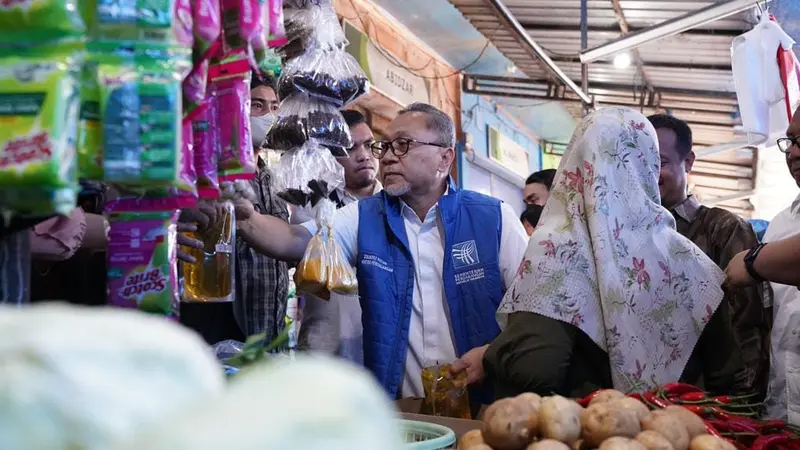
<point x="731" y="417"/>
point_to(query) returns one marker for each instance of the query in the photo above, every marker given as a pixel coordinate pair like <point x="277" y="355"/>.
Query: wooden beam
<point x="637" y="58"/>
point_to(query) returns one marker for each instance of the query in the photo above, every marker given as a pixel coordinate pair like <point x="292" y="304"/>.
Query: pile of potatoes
<point x="612" y="421"/>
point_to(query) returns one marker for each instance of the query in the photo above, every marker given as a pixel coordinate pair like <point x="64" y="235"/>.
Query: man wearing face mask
<point x="261" y="282"/>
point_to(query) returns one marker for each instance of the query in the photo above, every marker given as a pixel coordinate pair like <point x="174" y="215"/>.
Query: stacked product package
<point x="318" y="79"/>
<point x="152" y="98"/>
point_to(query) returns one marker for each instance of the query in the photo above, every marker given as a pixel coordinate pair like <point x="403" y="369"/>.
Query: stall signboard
<point x="508" y="153"/>
<point x="385" y="75"/>
<point x="551" y="154"/>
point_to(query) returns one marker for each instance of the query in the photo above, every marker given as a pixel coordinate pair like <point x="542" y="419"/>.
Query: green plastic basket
<point x="427" y="436"/>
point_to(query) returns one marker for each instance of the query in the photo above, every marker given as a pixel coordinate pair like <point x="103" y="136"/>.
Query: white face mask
<point x="259" y="126"/>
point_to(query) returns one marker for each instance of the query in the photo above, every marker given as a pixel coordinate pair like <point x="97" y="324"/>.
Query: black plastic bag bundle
<point x="332" y="75"/>
<point x="308" y="174"/>
<point x="301" y="118"/>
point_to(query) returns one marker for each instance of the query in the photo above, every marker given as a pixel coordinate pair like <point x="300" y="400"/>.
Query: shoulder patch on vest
<point x="465" y="254"/>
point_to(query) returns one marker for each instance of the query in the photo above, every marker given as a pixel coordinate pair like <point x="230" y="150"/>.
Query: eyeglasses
<point x="785" y="144"/>
<point x="399" y="146"/>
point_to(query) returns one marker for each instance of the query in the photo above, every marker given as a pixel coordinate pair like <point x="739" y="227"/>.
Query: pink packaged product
<point x="188" y="187"/>
<point x="206" y="149"/>
<point x="142" y="270"/>
<point x="207" y="18"/>
<point x="194" y="88"/>
<point x="241" y="19"/>
<point x="230" y="83"/>
<point x="277" y="31"/>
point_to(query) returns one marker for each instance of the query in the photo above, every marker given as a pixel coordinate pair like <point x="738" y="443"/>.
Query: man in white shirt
<point x="433" y="261"/>
<point x="334" y="326"/>
<point x="783" y="398"/>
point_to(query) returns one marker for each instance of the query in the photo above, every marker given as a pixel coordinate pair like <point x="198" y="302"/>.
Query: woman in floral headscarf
<point x="609" y="294"/>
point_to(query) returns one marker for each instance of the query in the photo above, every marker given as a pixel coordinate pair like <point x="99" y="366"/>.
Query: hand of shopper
<point x="204" y="216"/>
<point x="471" y="363"/>
<point x="243" y="208"/>
<point x="736" y="274"/>
<point x="186" y="241"/>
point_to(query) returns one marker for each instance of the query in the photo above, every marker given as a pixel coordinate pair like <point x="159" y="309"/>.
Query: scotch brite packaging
<point x="231" y="86"/>
<point x="38" y="121"/>
<point x="39" y="21"/>
<point x="142" y="271"/>
<point x="164" y="22"/>
<point x="140" y="108"/>
<point x="90" y="132"/>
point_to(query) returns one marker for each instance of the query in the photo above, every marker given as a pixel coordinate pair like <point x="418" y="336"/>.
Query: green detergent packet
<point x="38" y="124"/>
<point x="90" y="131"/>
<point x="140" y="109"/>
<point x="38" y="21"/>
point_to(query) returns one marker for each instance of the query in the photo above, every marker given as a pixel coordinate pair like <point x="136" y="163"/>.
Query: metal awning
<point x="687" y="74"/>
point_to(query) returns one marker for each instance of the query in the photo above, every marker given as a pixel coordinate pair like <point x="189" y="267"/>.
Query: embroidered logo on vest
<point x="465" y="254"/>
<point x="373" y="260"/>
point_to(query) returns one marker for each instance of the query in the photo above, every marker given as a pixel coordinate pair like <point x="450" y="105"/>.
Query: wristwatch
<point x="750" y="259"/>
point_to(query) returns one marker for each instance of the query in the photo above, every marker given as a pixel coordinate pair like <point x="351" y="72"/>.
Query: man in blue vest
<point x="433" y="261"/>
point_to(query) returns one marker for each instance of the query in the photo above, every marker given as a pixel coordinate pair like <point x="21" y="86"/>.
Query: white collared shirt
<point x="783" y="398"/>
<point x="429" y="340"/>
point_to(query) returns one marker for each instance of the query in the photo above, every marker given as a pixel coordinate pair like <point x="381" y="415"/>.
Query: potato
<point x="606" y="395"/>
<point x="654" y="441"/>
<point x="709" y="442"/>
<point x="669" y="426"/>
<point x="470" y="440"/>
<point x="632" y="404"/>
<point x="548" y="444"/>
<point x="559" y="419"/>
<point x="530" y="398"/>
<point x="694" y="424"/>
<point x="621" y="443"/>
<point x="509" y="424"/>
<point x="602" y="421"/>
<point x="579" y="445"/>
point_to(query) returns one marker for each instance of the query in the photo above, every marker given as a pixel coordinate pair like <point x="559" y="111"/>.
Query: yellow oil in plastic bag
<point x="445" y="395"/>
<point x="210" y="279"/>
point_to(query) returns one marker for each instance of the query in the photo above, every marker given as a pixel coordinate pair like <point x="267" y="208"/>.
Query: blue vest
<point x="473" y="284"/>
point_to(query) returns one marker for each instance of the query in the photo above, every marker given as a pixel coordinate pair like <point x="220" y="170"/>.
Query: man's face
<point x="263" y="101"/>
<point x="423" y="167"/>
<point x="674" y="169"/>
<point x="793" y="157"/>
<point x="535" y="194"/>
<point x="361" y="167"/>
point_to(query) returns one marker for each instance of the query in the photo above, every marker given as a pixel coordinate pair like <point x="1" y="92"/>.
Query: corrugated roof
<point x="697" y="61"/>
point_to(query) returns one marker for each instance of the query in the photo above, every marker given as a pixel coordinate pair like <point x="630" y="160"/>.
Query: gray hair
<point x="437" y="121"/>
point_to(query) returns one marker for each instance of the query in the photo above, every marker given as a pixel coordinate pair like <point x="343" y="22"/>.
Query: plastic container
<point x="427" y="436"/>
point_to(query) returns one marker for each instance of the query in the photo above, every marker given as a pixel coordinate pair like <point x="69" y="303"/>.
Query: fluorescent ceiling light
<point x="622" y="61"/>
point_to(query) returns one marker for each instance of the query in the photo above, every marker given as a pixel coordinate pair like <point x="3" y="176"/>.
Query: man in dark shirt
<point x="721" y="235"/>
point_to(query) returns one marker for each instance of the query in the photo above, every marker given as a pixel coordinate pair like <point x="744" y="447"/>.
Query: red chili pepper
<point x="771" y="425"/>
<point x="767" y="442"/>
<point x="637" y="396"/>
<point x="712" y="430"/>
<point x="679" y="389"/>
<point x="694" y="397"/>
<point x="654" y="400"/>
<point x="586" y="400"/>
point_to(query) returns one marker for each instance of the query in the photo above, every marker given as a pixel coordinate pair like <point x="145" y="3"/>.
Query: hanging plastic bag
<point x="301" y="118"/>
<point x="312" y="272"/>
<point x="39" y="87"/>
<point x="331" y="75"/>
<point x="308" y="175"/>
<point x="341" y="276"/>
<point x="230" y="83"/>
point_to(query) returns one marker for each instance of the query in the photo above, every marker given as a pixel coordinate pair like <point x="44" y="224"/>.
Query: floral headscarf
<point x="607" y="259"/>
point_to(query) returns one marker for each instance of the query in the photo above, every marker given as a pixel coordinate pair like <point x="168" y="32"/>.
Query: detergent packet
<point x="206" y="148"/>
<point x="166" y="22"/>
<point x="39" y="109"/>
<point x="230" y="83"/>
<point x="240" y="23"/>
<point x="39" y="21"/>
<point x="277" y="30"/>
<point x="90" y="129"/>
<point x="207" y="23"/>
<point x="142" y="269"/>
<point x="195" y="86"/>
<point x="140" y="106"/>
